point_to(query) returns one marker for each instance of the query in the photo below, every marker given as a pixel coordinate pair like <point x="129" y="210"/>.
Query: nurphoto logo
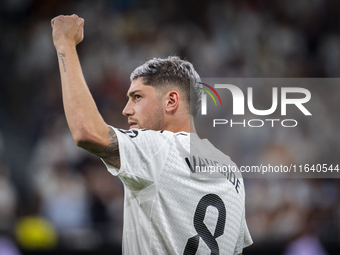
<point x="238" y="104"/>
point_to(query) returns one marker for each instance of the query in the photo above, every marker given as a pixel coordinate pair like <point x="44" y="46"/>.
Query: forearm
<point x="83" y="117"/>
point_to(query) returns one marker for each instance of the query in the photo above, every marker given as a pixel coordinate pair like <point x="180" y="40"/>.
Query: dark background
<point x="55" y="197"/>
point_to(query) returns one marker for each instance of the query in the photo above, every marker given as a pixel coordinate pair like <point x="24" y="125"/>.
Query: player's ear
<point x="172" y="101"/>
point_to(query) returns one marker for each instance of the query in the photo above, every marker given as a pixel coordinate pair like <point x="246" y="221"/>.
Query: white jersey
<point x="166" y="210"/>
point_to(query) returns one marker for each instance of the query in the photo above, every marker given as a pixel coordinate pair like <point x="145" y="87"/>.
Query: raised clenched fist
<point x="67" y="30"/>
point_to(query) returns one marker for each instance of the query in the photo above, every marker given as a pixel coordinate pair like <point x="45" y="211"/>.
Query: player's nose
<point x="128" y="110"/>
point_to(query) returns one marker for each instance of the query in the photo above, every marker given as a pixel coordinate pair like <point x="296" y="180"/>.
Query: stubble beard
<point x="156" y="122"/>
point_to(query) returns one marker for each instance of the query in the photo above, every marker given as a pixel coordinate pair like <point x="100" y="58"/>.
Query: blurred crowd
<point x="50" y="187"/>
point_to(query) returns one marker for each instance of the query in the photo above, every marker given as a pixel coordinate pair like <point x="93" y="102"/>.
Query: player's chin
<point x="134" y="126"/>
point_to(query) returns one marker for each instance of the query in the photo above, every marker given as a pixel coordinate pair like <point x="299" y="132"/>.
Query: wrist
<point x="62" y="46"/>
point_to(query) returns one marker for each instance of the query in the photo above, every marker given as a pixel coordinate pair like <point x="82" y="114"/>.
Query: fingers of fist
<point x="69" y="27"/>
<point x="67" y="19"/>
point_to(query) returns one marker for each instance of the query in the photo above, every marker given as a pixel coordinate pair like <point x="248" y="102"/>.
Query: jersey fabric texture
<point x="166" y="210"/>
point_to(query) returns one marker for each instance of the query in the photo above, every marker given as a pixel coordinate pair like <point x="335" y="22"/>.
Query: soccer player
<point x="166" y="209"/>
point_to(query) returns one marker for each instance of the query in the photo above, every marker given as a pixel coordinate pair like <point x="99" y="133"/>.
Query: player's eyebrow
<point x="133" y="92"/>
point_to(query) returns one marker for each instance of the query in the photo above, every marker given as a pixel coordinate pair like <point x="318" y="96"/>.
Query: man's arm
<point x="87" y="126"/>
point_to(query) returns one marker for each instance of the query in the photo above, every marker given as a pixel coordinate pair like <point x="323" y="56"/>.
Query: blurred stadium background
<point x="56" y="198"/>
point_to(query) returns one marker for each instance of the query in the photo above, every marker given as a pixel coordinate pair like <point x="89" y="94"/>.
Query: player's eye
<point x="137" y="97"/>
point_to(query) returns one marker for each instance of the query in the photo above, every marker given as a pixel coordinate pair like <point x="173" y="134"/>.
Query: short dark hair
<point x="172" y="71"/>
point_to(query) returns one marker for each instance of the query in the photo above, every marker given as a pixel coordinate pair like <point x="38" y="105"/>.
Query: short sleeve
<point x="142" y="155"/>
<point x="244" y="239"/>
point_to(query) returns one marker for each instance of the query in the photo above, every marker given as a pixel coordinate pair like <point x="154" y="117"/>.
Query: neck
<point x="184" y="124"/>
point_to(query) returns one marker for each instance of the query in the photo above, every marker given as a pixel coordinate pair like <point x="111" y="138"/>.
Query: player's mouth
<point x="132" y="124"/>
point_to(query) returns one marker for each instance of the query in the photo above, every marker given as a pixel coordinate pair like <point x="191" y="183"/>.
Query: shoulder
<point x="143" y="133"/>
<point x="148" y="133"/>
<point x="147" y="141"/>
